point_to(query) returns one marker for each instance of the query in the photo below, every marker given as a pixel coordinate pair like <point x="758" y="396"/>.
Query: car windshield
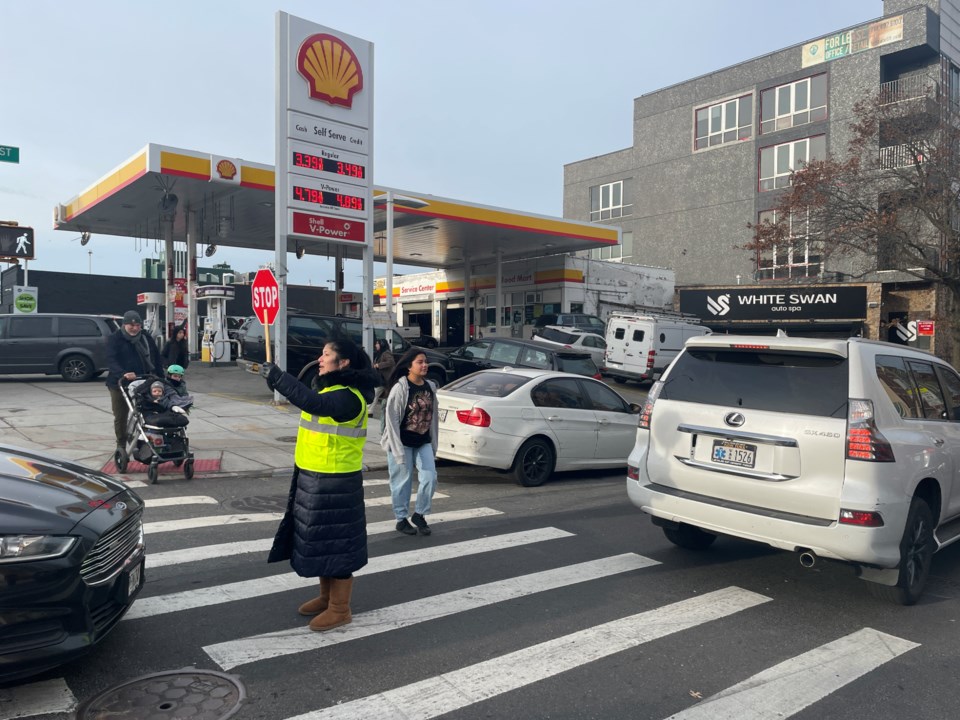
<point x="578" y="364"/>
<point x="488" y="384"/>
<point x="801" y="383"/>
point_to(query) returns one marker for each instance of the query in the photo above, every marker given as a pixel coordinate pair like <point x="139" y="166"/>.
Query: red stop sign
<point x="266" y="296"/>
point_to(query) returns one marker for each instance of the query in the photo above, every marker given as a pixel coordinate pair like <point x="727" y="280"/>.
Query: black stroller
<point x="152" y="438"/>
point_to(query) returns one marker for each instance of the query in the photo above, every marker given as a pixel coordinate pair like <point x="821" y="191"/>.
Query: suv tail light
<point x="864" y="440"/>
<point x="647" y="412"/>
<point x="478" y="417"/>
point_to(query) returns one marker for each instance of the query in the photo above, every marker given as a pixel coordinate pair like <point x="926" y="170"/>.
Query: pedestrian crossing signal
<point x="16" y="242"/>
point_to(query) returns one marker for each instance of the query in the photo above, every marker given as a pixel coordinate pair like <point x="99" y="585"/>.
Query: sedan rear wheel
<point x="534" y="463"/>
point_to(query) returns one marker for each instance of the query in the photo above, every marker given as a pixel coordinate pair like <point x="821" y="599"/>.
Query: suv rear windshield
<point x="801" y="383"/>
<point x="579" y="364"/>
<point x="558" y="336"/>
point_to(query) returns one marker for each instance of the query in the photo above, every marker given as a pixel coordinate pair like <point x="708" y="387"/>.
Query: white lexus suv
<point x="840" y="449"/>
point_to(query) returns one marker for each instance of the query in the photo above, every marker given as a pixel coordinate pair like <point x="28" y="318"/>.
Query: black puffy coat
<point x="176" y="352"/>
<point x="324" y="529"/>
<point x="123" y="357"/>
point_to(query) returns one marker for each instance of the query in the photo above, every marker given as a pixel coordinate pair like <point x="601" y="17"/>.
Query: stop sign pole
<point x="265" y="295"/>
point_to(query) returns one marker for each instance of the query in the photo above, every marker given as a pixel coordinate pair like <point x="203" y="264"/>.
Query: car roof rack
<point x="642" y="312"/>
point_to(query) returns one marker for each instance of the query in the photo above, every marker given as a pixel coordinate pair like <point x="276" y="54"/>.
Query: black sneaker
<point x="421" y="523"/>
<point x="405" y="527"/>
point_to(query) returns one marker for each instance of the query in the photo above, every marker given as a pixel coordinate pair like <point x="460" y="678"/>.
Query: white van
<point x="640" y="347"/>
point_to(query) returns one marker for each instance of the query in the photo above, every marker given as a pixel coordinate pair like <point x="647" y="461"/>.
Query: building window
<point x="798" y="258"/>
<point x="610" y="201"/>
<point x="610" y="252"/>
<point x="798" y="103"/>
<point x="724" y="122"/>
<point x="777" y="162"/>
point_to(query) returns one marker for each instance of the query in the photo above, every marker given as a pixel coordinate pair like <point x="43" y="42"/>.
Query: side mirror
<point x="635" y="408"/>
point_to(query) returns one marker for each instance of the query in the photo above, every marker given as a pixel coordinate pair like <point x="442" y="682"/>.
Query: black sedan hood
<point x="40" y="494"/>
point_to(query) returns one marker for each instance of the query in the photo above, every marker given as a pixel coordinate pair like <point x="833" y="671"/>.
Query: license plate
<point x="133" y="579"/>
<point x="442" y="414"/>
<point x="734" y="453"/>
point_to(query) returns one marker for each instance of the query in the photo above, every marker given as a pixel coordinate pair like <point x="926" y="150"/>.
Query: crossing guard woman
<point x="324" y="530"/>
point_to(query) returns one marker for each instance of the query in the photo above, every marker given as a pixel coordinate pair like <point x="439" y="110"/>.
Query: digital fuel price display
<point x="323" y="164"/>
<point x="331" y="199"/>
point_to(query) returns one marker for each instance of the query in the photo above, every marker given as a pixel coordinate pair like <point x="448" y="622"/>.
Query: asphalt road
<point x="561" y="601"/>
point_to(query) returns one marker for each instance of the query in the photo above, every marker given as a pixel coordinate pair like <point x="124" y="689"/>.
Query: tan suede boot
<point x="338" y="610"/>
<point x="319" y="603"/>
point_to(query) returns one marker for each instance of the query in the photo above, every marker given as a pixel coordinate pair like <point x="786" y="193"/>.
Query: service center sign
<point x="324" y="133"/>
<point x="777" y="303"/>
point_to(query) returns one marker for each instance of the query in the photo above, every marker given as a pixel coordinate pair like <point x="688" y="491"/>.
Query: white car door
<point x="616" y="424"/>
<point x="568" y="415"/>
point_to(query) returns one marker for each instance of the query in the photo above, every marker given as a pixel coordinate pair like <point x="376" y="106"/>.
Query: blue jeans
<point x="401" y="479"/>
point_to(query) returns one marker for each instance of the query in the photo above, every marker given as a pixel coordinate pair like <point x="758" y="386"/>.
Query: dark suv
<point x="73" y="345"/>
<point x="507" y="352"/>
<point x="307" y="334"/>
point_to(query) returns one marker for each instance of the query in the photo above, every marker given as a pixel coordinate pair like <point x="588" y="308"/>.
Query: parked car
<point x="507" y="352"/>
<point x="838" y="449"/>
<point x="574" y="339"/>
<point x="75" y="346"/>
<point x="640" y="347"/>
<point x="581" y="321"/>
<point x="71" y="559"/>
<point x="307" y="334"/>
<point x="533" y="422"/>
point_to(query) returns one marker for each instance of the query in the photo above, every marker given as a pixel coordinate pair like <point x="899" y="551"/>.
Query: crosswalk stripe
<point x="202" y="597"/>
<point x="182" y="500"/>
<point x="270" y="645"/>
<point x="785" y="689"/>
<point x="39" y="698"/>
<point x="217" y="520"/>
<point x="209" y="552"/>
<point x="207" y="521"/>
<point x="460" y="688"/>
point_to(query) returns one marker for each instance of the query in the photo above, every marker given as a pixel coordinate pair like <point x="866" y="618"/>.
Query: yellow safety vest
<point x="324" y="445"/>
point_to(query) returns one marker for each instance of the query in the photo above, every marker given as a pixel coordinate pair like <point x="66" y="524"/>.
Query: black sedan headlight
<point x="19" y="548"/>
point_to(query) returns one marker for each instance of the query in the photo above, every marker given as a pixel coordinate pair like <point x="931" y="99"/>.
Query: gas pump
<point x="215" y="346"/>
<point x="152" y="302"/>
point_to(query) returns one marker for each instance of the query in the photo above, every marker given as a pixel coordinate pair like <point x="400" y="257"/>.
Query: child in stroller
<point x="155" y="429"/>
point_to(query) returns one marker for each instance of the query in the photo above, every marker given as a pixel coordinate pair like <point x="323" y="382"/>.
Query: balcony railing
<point x="907" y="88"/>
<point x="900" y="156"/>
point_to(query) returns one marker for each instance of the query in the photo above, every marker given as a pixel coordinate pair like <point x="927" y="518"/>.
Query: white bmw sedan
<point x="533" y="422"/>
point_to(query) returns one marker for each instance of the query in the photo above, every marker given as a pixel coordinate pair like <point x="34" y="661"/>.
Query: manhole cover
<point x="187" y="693"/>
<point x="260" y="503"/>
<point x="287" y="438"/>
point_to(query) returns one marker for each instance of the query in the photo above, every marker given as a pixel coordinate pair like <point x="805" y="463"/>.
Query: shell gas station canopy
<point x="229" y="202"/>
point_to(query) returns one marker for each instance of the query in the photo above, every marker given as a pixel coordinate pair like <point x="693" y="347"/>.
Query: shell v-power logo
<point x="719" y="305"/>
<point x="331" y="69"/>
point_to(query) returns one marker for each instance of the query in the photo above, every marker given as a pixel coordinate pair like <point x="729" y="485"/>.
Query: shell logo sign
<point x="226" y="170"/>
<point x="331" y="69"/>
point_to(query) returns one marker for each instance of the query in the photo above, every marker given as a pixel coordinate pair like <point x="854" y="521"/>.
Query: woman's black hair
<point x="402" y="368"/>
<point x="348" y="350"/>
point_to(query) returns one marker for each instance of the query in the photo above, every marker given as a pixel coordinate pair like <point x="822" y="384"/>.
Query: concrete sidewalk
<point x="234" y="423"/>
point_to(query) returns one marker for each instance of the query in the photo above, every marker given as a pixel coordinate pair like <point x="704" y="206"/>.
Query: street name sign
<point x="9" y="154"/>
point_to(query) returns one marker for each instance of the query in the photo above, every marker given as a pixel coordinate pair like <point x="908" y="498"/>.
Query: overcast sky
<point x="478" y="101"/>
